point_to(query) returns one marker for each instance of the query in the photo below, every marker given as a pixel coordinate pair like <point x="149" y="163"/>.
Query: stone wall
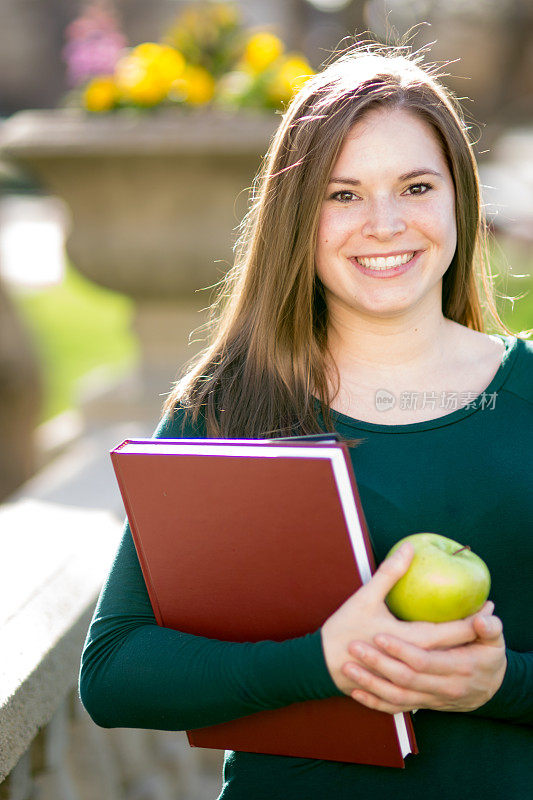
<point x="73" y="759"/>
<point x="58" y="537"/>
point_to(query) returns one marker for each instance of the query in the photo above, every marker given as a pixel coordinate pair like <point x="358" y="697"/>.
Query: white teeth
<point x="385" y="263"/>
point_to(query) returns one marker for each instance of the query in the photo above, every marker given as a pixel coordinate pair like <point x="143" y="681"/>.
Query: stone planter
<point x="155" y="200"/>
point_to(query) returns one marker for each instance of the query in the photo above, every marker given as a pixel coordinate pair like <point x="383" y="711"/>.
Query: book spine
<point x="411" y="732"/>
<point x="116" y="461"/>
<point x="359" y="506"/>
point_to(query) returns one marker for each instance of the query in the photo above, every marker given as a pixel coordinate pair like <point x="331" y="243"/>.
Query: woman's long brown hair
<point x="265" y="370"/>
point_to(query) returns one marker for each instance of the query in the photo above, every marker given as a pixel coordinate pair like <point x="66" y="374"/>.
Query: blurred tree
<point x="514" y="95"/>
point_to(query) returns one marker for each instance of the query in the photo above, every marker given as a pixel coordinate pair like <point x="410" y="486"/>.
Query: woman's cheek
<point x="438" y="218"/>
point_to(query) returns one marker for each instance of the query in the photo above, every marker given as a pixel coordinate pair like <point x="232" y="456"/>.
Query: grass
<point x="76" y="326"/>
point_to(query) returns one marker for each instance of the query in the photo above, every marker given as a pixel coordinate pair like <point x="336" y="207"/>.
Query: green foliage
<point x="210" y="35"/>
<point x="512" y="265"/>
<point x="76" y="326"/>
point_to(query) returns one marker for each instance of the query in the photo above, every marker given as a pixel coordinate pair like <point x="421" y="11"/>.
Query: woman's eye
<point x="418" y="188"/>
<point x="344" y="196"/>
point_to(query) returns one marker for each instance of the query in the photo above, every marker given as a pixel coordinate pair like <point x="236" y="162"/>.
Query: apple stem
<point x="466" y="547"/>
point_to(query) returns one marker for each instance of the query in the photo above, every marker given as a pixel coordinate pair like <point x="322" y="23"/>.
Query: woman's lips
<point x="389" y="272"/>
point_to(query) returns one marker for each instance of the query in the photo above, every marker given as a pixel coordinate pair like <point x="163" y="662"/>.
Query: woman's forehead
<point x="389" y="138"/>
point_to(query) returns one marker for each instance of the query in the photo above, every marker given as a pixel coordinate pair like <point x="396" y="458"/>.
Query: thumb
<point x="391" y="570"/>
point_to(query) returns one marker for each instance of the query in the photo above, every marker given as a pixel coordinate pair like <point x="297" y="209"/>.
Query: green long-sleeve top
<point x="466" y="475"/>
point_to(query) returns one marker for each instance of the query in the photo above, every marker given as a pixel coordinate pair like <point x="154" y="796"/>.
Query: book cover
<point x="246" y="540"/>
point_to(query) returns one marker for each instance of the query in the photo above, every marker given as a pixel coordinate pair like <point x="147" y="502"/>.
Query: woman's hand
<point x="394" y="676"/>
<point x="365" y="615"/>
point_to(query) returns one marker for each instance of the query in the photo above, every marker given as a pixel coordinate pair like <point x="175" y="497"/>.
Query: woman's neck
<point x="399" y="347"/>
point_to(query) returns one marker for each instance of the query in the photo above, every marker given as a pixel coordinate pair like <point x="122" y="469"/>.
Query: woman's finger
<point x="398" y="671"/>
<point x="371" y="701"/>
<point x="385" y="690"/>
<point x="436" y="635"/>
<point x="442" y="635"/>
<point x="488" y="628"/>
<point x="430" y="662"/>
<point x="390" y="571"/>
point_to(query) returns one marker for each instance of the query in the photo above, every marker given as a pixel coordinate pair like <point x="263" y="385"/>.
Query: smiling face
<point x="387" y="230"/>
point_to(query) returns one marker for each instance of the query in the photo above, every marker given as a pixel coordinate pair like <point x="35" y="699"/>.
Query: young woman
<point x="355" y="304"/>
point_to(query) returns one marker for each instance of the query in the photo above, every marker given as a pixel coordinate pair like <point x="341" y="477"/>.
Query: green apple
<point x="445" y="581"/>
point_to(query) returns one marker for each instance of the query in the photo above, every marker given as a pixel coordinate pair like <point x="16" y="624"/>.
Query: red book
<point x="247" y="540"/>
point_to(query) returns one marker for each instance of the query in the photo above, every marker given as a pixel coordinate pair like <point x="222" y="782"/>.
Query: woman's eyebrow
<point x="415" y="173"/>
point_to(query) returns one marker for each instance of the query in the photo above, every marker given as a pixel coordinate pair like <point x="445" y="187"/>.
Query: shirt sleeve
<point x="513" y="701"/>
<point x="135" y="673"/>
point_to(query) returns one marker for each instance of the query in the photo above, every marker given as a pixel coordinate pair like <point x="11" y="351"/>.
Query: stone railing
<point x="57" y="538"/>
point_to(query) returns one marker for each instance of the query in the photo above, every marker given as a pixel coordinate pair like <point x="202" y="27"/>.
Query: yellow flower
<point x="100" y="94"/>
<point x="147" y="51"/>
<point x="289" y="78"/>
<point x="169" y="63"/>
<point x="262" y="49"/>
<point x="196" y="86"/>
<point x="146" y="74"/>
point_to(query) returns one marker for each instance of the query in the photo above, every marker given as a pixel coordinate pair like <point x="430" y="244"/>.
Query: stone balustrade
<point x="58" y="536"/>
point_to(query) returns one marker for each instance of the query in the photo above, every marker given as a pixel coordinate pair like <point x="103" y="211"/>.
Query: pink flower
<point x="94" y="43"/>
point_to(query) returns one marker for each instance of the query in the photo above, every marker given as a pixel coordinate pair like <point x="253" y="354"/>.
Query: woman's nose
<point x="383" y="220"/>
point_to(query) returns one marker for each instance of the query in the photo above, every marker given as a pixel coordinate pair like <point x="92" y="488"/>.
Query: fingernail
<point x="402" y="551"/>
